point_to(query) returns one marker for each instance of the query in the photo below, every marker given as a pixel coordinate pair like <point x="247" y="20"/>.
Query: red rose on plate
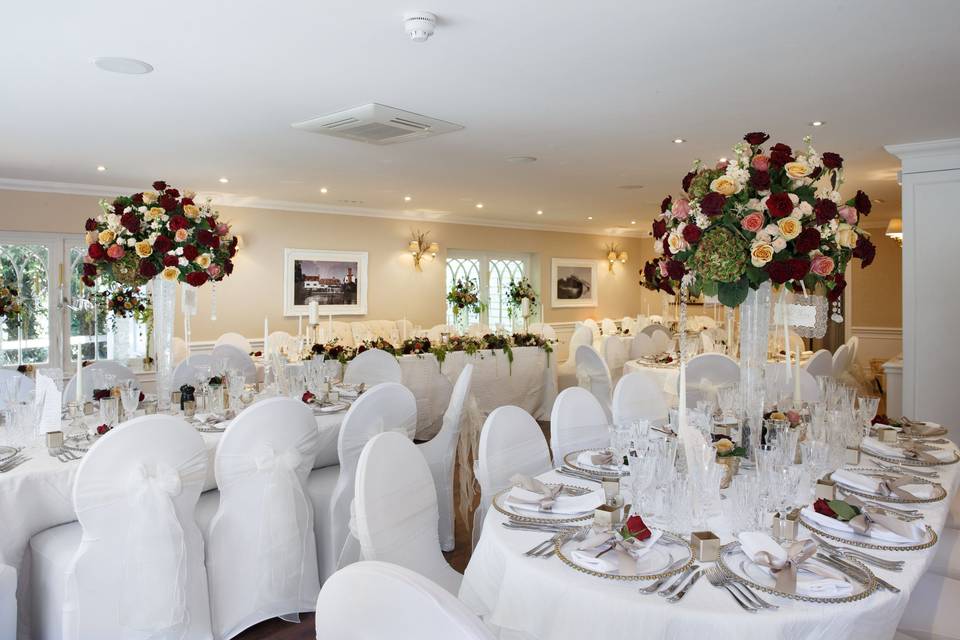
<point x="159" y="185"/>
<point x="825" y="210"/>
<point x="687" y="180"/>
<point x="636" y="528"/>
<point x="148" y="269"/>
<point x="760" y="180"/>
<point x="197" y="278"/>
<point x="162" y="244"/>
<point x="665" y="204"/>
<point x="170" y="260"/>
<point x="862" y="202"/>
<point x="823" y="508"/>
<point x="190" y="252"/>
<point x="90" y="225"/>
<point x="807" y="241"/>
<point x="96" y="251"/>
<point x="832" y="160"/>
<point x="102" y="429"/>
<point x="780" y="205"/>
<point x="756" y="138"/>
<point x="692" y="233"/>
<point x="712" y="204"/>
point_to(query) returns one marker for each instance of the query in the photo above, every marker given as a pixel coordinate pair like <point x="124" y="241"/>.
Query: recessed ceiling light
<point x="678" y="140"/>
<point x="323" y="189"/>
<point x="633" y="222"/>
<point x="224" y="180"/>
<point x="589" y="217"/>
<point x="407" y="198"/>
<point x="817" y="123"/>
<point x="123" y="65"/>
<point x="479" y="205"/>
<point x="539" y="212"/>
<point x="101" y="168"/>
<point x="521" y="159"/>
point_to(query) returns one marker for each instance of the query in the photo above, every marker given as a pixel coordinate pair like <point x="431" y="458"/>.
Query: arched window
<point x="493" y="274"/>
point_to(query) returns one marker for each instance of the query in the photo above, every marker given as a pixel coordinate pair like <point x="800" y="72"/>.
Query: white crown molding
<point x="255" y="202"/>
<point x="878" y="333"/>
<point x="923" y="157"/>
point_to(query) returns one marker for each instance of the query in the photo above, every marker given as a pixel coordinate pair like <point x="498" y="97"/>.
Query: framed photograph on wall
<point x="337" y="280"/>
<point x="573" y="283"/>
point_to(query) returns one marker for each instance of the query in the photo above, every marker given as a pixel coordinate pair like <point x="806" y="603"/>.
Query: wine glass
<point x="129" y="397"/>
<point x="235" y="385"/>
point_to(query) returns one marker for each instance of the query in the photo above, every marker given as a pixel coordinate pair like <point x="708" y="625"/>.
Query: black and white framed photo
<point x="337" y="280"/>
<point x="573" y="283"/>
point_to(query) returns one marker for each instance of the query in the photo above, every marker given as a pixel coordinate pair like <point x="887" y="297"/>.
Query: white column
<point x="931" y="290"/>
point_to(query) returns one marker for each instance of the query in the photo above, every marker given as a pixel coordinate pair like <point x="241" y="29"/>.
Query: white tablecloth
<point x="546" y="600"/>
<point x="665" y="375"/>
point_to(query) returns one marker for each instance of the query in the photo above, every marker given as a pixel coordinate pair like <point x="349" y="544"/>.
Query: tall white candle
<point x="796" y="383"/>
<point x="266" y="332"/>
<point x="786" y="334"/>
<point x="330" y="326"/>
<point x="314" y="312"/>
<point x="299" y="326"/>
<point x="79" y="377"/>
<point x="525" y="307"/>
<point x="404" y="323"/>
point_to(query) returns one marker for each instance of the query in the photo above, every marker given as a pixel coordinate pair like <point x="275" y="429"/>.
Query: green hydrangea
<point x="721" y="255"/>
<point x="700" y="186"/>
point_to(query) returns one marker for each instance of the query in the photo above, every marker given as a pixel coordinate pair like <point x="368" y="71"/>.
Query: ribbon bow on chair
<point x="547" y="495"/>
<point x="785" y="570"/>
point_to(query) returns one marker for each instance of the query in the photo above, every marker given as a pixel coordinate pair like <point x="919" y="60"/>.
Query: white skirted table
<point x="665" y="375"/>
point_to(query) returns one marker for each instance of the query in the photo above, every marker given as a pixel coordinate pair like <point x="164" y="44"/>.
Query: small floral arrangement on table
<point x="332" y="350"/>
<point x="517" y="292"/>
<point x="417" y="346"/>
<point x="124" y="302"/>
<point x="379" y="343"/>
<point x="726" y="449"/>
<point x="763" y="216"/>
<point x="836" y="509"/>
<point x="635" y="528"/>
<point x="160" y="232"/>
<point x="10" y="306"/>
<point x="464" y="296"/>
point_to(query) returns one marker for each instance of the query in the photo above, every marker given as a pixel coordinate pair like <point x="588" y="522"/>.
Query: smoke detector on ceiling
<point x="377" y="124"/>
<point x="419" y="25"/>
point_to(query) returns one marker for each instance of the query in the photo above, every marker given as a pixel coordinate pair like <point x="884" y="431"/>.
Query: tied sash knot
<point x="785" y="570"/>
<point x="890" y="485"/>
<point x="917" y="451"/>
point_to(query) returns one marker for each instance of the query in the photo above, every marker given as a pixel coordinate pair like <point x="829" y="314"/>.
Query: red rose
<point x="839" y="284"/>
<point x="170" y="260"/>
<point x="665" y="204"/>
<point x="799" y="268"/>
<point x="865" y="250"/>
<point x="832" y="160"/>
<point x="659" y="228"/>
<point x="824" y="210"/>
<point x="862" y="202"/>
<point x="168" y="202"/>
<point x="692" y="233"/>
<point x="185" y="201"/>
<point x="307" y="397"/>
<point x="778" y="270"/>
<point x="760" y="180"/>
<point x="102" y="429"/>
<point x="666" y="248"/>
<point x="119" y="206"/>
<point x="650" y="272"/>
<point x="87" y="280"/>
<point x="131" y="221"/>
<point x="232" y="250"/>
<point x="89" y="269"/>
<point x="816" y="173"/>
<point x="91" y="225"/>
<point x="137" y="199"/>
<point x="178" y="222"/>
<point x="637" y="528"/>
<point x="675" y="269"/>
<point x="205" y="237"/>
<point x="162" y="244"/>
<point x="779" y="205"/>
<point x="173" y="192"/>
<point x="147" y="269"/>
<point x="211" y="222"/>
<point x="197" y="278"/>
<point x="96" y="251"/>
<point x="228" y="267"/>
<point x="141" y="397"/>
<point x="823" y="508"/>
<point x="190" y="252"/>
<point x="807" y="241"/>
<point x="756" y="138"/>
<point x="159" y="185"/>
<point x="667" y="288"/>
<point x="780" y="154"/>
<point x="688" y="179"/>
<point x="712" y="203"/>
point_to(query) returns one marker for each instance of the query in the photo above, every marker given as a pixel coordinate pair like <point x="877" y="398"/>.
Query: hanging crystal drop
<point x="213" y="301"/>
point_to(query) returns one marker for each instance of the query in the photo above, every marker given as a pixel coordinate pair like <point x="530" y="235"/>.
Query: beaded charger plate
<point x="7" y="452"/>
<point x="735" y="563"/>
<point x="541" y="517"/>
<point x="939" y="492"/>
<point x="598" y="471"/>
<point x="911" y="462"/>
<point x="654" y="565"/>
<point x="866" y="542"/>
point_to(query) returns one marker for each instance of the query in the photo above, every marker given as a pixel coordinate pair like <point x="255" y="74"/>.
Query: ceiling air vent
<point x="377" y="124"/>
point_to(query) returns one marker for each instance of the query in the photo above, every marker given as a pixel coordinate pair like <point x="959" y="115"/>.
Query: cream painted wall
<point x="877" y="290"/>
<point x="396" y="289"/>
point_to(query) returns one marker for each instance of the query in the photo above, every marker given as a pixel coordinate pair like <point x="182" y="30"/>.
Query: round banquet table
<point x="546" y="600"/>
<point x="665" y="375"/>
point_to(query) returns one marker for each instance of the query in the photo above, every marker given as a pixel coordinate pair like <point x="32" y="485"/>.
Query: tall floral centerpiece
<point x="521" y="300"/>
<point x="464" y="299"/>
<point x="162" y="237"/>
<point x="10" y="308"/>
<point x="773" y="217"/>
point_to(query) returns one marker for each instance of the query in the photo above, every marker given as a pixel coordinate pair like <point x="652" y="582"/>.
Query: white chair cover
<point x="371" y="600"/>
<point x="25" y="385"/>
<point x="706" y="372"/>
<point x="615" y="353"/>
<point x="372" y="367"/>
<point x="110" y="367"/>
<point x="567" y="371"/>
<point x="593" y="374"/>
<point x="779" y="385"/>
<point x="386" y="407"/>
<point x="706" y="342"/>
<point x="821" y="364"/>
<point x="577" y="421"/>
<point x="639" y="397"/>
<point x="841" y="361"/>
<point x="396" y="509"/>
<point x="608" y="327"/>
<point x="628" y="325"/>
<point x="8" y="602"/>
<point x="662" y="341"/>
<point x="641" y="346"/>
<point x="186" y="371"/>
<point x="234" y="339"/>
<point x="653" y="327"/>
<point x="591" y="324"/>
<point x="409" y="329"/>
<point x="548" y="332"/>
<point x="436" y="330"/>
<point x="180" y="351"/>
<point x="261" y="550"/>
<point x="279" y="340"/>
<point x="511" y="442"/>
<point x="236" y="359"/>
<point x="655" y="319"/>
<point x="854" y="345"/>
<point x="441" y="451"/>
<point x="342" y="332"/>
<point x="138" y="571"/>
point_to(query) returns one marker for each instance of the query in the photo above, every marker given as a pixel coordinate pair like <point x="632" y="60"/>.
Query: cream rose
<point x="170" y="273"/>
<point x="761" y="253"/>
<point x="846" y="236"/>
<point x="90" y="237"/>
<point x="106" y="237"/>
<point x="676" y="242"/>
<point x="797" y="170"/>
<point x="153" y="213"/>
<point x="789" y="228"/>
<point x="724" y="185"/>
<point x="143" y="249"/>
<point x="203" y="260"/>
<point x="189" y="194"/>
<point x="149" y="197"/>
<point x="192" y="211"/>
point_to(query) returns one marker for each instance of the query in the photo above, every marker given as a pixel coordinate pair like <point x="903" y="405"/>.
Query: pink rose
<point x="721" y="166"/>
<point x="681" y="209"/>
<point x="760" y="163"/>
<point x="222" y="229"/>
<point x="663" y="269"/>
<point x="849" y="214"/>
<point x="822" y="265"/>
<point x="115" y="251"/>
<point x="213" y="270"/>
<point x="753" y="222"/>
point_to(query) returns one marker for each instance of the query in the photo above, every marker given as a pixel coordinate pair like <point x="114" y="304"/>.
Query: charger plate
<point x="594" y="470"/>
<point x="653" y="566"/>
<point x="910" y="462"/>
<point x="864" y="542"/>
<point x="940" y="495"/>
<point x="541" y="517"/>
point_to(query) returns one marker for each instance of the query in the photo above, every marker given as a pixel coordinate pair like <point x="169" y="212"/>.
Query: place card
<point x="706" y="546"/>
<point x="611" y="489"/>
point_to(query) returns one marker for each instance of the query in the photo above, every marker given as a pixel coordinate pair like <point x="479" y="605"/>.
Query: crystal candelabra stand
<point x="164" y="297"/>
<point x="754" y="331"/>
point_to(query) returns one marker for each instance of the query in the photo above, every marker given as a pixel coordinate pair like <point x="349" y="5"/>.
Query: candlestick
<point x="299" y="327"/>
<point x="786" y="334"/>
<point x="404" y="327"/>
<point x="329" y="326"/>
<point x="79" y="376"/>
<point x="266" y="333"/>
<point x="797" y="399"/>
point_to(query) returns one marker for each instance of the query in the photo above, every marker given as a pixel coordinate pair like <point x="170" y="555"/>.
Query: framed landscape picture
<point x="573" y="282"/>
<point x="337" y="280"/>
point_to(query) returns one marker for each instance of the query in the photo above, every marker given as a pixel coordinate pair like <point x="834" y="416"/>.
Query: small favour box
<point x="54" y="439"/>
<point x="851" y="455"/>
<point x="88" y="408"/>
<point x="190" y="408"/>
<point x="785" y="526"/>
<point x="175" y="398"/>
<point x="611" y="489"/>
<point x="608" y="516"/>
<point x="886" y="434"/>
<point x="706" y="546"/>
<point x="826" y="489"/>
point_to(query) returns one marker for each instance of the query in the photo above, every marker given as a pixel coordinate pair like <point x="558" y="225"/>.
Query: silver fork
<point x="883" y="563"/>
<point x="748" y="593"/>
<point x="683" y="590"/>
<point x="13" y="463"/>
<point x="716" y="579"/>
<point x="652" y="588"/>
<point x="671" y="588"/>
<point x="536" y="549"/>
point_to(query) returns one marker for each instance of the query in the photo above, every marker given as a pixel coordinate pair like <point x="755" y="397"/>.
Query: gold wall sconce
<point x="418" y="247"/>
<point x="615" y="253"/>
<point x="895" y="230"/>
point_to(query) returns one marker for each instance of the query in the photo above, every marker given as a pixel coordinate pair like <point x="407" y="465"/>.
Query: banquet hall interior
<point x="516" y="320"/>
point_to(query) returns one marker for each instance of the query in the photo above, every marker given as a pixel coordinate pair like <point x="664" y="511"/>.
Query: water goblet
<point x="129" y="397"/>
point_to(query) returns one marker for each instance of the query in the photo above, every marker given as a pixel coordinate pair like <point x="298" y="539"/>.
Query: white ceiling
<point x="596" y="91"/>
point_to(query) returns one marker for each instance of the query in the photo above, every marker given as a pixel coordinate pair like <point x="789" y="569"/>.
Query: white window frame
<point x="484" y="257"/>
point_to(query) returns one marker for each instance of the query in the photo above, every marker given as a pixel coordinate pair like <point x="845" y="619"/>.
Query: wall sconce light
<point x="615" y="253"/>
<point x="895" y="230"/>
<point x="418" y="247"/>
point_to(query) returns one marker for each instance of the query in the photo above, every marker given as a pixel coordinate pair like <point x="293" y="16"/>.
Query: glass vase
<point x="121" y="338"/>
<point x="754" y="330"/>
<point x="164" y="297"/>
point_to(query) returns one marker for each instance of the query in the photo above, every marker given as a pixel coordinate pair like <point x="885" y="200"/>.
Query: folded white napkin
<point x="585" y="458"/>
<point x="861" y="482"/>
<point x="918" y="532"/>
<point x="808" y="584"/>
<point x="882" y="448"/>
<point x="586" y="553"/>
<point x="347" y="390"/>
<point x="523" y="500"/>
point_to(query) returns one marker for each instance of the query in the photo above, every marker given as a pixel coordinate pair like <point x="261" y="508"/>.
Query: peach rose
<point x="116" y="252"/>
<point x="170" y="273"/>
<point x="181" y="235"/>
<point x="761" y="253"/>
<point x="760" y="162"/>
<point x="192" y="211"/>
<point x="144" y="249"/>
<point x="752" y="222"/>
<point x="822" y="265"/>
<point x="797" y="170"/>
<point x="724" y="185"/>
<point x="681" y="209"/>
<point x="149" y="197"/>
<point x="846" y="236"/>
<point x="153" y="213"/>
<point x="676" y="242"/>
<point x="203" y="260"/>
<point x="789" y="228"/>
<point x="90" y="237"/>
